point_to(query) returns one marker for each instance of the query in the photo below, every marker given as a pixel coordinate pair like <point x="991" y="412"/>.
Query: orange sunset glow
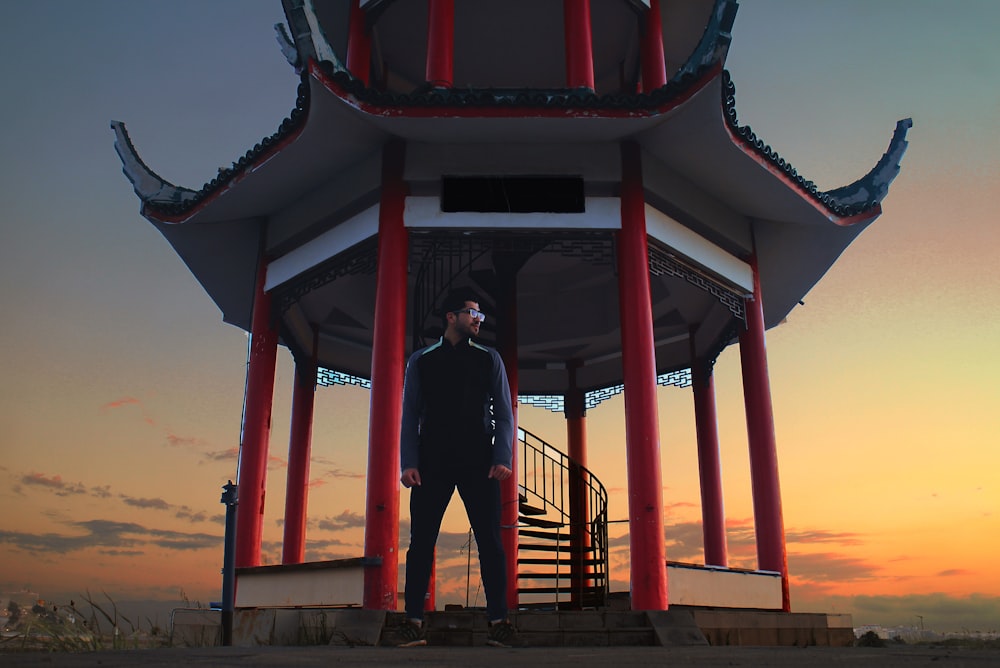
<point x="122" y="393"/>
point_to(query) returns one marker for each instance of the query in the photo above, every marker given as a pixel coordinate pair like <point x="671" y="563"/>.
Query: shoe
<point x="502" y="634"/>
<point x="409" y="634"/>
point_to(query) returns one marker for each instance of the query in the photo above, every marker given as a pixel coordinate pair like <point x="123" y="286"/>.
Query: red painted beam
<point x="642" y="441"/>
<point x="388" y="367"/>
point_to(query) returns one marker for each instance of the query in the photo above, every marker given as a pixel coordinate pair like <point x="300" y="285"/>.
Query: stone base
<point x="678" y="626"/>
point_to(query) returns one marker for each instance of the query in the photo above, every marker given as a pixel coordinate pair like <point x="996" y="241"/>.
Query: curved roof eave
<point x="793" y="259"/>
<point x="165" y="202"/>
<point x="799" y="230"/>
<point x="847" y="204"/>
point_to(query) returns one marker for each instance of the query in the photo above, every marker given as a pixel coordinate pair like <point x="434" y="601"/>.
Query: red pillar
<point x="388" y="366"/>
<point x="646" y="542"/>
<point x="299" y="454"/>
<point x="579" y="506"/>
<point x="769" y="524"/>
<point x="579" y="44"/>
<point x="713" y="516"/>
<point x="359" y="44"/>
<point x="252" y="479"/>
<point x="440" y="42"/>
<point x="509" y="493"/>
<point x="654" y="68"/>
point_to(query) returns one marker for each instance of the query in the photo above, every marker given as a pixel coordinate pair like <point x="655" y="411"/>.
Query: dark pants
<point x="428" y="502"/>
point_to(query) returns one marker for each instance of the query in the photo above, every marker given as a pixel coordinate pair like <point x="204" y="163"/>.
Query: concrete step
<point x="597" y="628"/>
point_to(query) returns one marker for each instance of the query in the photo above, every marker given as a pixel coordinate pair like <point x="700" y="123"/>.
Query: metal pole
<point x="230" y="497"/>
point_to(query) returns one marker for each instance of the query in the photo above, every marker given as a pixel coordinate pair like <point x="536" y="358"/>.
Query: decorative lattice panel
<point x="328" y="377"/>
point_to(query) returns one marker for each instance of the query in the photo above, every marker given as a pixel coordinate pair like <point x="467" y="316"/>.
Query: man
<point x="457" y="432"/>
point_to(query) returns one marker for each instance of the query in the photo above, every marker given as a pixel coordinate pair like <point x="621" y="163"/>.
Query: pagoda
<point x="581" y="165"/>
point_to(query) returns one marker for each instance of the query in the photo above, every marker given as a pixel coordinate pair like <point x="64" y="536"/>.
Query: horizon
<point x="121" y="407"/>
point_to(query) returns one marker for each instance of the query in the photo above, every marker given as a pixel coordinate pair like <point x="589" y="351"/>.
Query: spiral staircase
<point x="563" y="530"/>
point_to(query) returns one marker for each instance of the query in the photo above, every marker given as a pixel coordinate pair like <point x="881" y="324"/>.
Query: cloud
<point x="122" y="553"/>
<point x="118" y="403"/>
<point x="823" y="536"/>
<point x="128" y="401"/>
<point x="228" y="455"/>
<point x="341" y="473"/>
<point x="954" y="572"/>
<point x="181" y="512"/>
<point x="55" y="483"/>
<point x="684" y="541"/>
<point x="669" y="509"/>
<point x="111" y="535"/>
<point x="936" y="611"/>
<point x="345" y="520"/>
<point x="186" y="513"/>
<point x="157" y="504"/>
<point x="176" y="441"/>
<point x="832" y="568"/>
<point x="739" y="522"/>
<point x="175" y="540"/>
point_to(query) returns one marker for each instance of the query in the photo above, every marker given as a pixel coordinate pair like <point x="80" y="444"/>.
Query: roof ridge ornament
<point x="166" y="198"/>
<point x="148" y="185"/>
<point x="874" y="186"/>
<point x="863" y="195"/>
<point x="713" y="47"/>
<point x="287" y="46"/>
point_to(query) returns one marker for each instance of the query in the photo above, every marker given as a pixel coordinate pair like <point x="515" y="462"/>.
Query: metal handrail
<point x="545" y="474"/>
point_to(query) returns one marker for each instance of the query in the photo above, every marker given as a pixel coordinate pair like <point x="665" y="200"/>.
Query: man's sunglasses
<point x="473" y="313"/>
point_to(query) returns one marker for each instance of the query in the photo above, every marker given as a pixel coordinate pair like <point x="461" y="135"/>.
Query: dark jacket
<point x="455" y="398"/>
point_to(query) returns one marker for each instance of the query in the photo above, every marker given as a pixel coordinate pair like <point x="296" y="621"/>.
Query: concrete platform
<point x="903" y="656"/>
<point x="678" y="626"/>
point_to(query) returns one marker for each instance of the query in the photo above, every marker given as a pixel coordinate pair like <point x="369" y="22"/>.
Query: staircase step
<point x="563" y="548"/>
<point x="543" y="548"/>
<point x="588" y="583"/>
<point x="539" y="561"/>
<point x="539" y="522"/>
<point x="548" y="535"/>
<point x="526" y="509"/>
<point x="553" y="590"/>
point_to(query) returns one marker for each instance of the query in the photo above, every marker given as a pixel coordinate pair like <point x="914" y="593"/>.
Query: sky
<point x="121" y="388"/>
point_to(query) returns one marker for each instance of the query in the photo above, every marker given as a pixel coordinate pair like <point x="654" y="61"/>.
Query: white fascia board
<point x="601" y="213"/>
<point x="693" y="246"/>
<point x="332" y="242"/>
